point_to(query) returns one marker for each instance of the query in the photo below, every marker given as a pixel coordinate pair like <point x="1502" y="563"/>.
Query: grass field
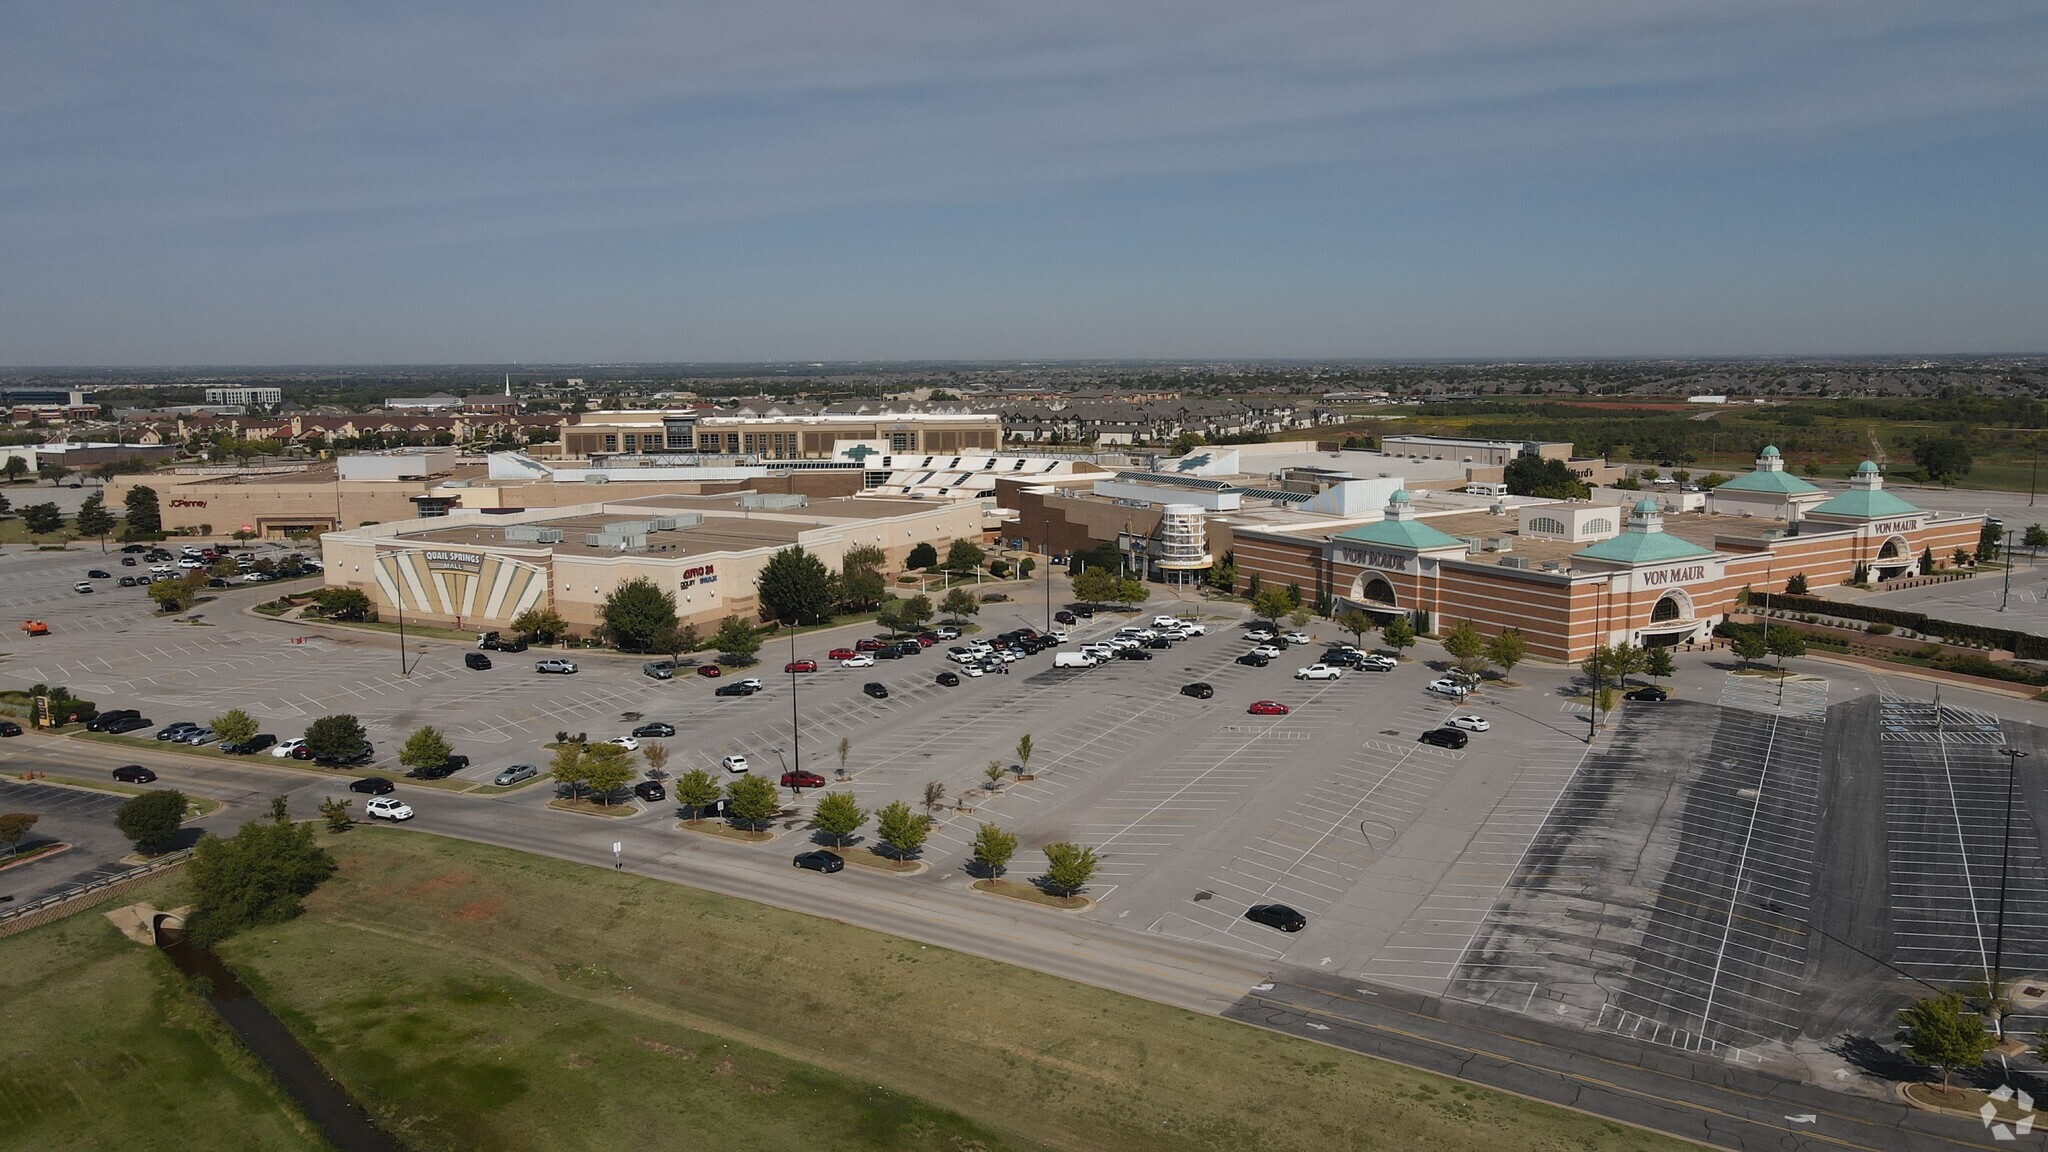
<point x="102" y="1047"/>
<point x="476" y="997"/>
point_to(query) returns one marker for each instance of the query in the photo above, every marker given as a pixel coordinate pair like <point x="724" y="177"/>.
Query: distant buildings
<point x="774" y="432"/>
<point x="246" y="397"/>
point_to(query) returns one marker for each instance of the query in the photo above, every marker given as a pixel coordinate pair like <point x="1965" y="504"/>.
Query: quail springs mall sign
<point x="455" y="561"/>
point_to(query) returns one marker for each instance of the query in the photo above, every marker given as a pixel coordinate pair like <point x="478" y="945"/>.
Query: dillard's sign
<point x="1658" y="577"/>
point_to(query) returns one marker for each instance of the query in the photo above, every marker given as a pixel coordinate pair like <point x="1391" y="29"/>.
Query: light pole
<point x="2005" y="556"/>
<point x="2013" y="756"/>
<point x="795" y="746"/>
<point x="1045" y="540"/>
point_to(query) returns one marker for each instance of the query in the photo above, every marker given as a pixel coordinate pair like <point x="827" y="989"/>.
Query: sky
<point x="370" y="182"/>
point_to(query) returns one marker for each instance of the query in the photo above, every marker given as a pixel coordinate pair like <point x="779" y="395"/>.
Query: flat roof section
<point x="721" y="534"/>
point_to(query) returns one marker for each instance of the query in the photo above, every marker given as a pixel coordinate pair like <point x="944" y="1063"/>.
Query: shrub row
<point x="2021" y="644"/>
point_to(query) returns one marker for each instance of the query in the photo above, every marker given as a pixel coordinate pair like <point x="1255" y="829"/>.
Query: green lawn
<point x="476" y="997"/>
<point x="102" y="1047"/>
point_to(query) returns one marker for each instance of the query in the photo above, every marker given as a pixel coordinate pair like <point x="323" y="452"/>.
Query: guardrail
<point x="84" y="895"/>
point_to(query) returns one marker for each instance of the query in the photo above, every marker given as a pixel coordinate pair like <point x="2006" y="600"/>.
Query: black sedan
<point x="1254" y="659"/>
<point x="650" y="791"/>
<point x="1276" y="916"/>
<point x="1133" y="654"/>
<point x="251" y="746"/>
<point x="9" y="728"/>
<point x="134" y="774"/>
<point x="736" y="688"/>
<point x="876" y="689"/>
<point x="1653" y="695"/>
<point x="99" y="574"/>
<point x="820" y="861"/>
<point x="656" y="728"/>
<point x="374" y="785"/>
<point x="1199" y="690"/>
<point x="949" y="679"/>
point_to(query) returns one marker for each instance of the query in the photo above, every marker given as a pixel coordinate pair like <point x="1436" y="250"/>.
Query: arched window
<point x="1601" y="525"/>
<point x="1667" y="609"/>
<point x="1547" y="525"/>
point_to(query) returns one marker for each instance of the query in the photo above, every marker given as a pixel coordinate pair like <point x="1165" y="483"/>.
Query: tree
<point x="42" y="518"/>
<point x="257" y="876"/>
<point x="993" y="774"/>
<point x="861" y="586"/>
<point x="1940" y="1033"/>
<point x="336" y="739"/>
<point x="1357" y="623"/>
<point x="15" y="468"/>
<point x="959" y="604"/>
<point x="567" y="767"/>
<point x="753" y="799"/>
<point x="15" y="827"/>
<point x="795" y="587"/>
<point x="1095" y="585"/>
<point x="1300" y="617"/>
<point x="606" y="769"/>
<point x="1187" y="442"/>
<point x="94" y="519"/>
<point x="336" y="813"/>
<point x="1506" y="649"/>
<point x="845" y="749"/>
<point x="144" y="516"/>
<point x="1024" y="750"/>
<point x="234" y="726"/>
<point x="696" y="790"/>
<point x="1270" y="604"/>
<point x="1131" y="590"/>
<point x="891" y="615"/>
<point x="922" y="556"/>
<point x="993" y="848"/>
<point x="280" y="810"/>
<point x="1660" y="665"/>
<point x="1782" y="641"/>
<point x="1537" y="476"/>
<point x="999" y="568"/>
<point x="1025" y="567"/>
<point x="1069" y="867"/>
<point x="737" y="640"/>
<point x="1926" y="561"/>
<point x="656" y="756"/>
<point x="838" y="816"/>
<point x="425" y="750"/>
<point x="2035" y="537"/>
<point x="915" y="613"/>
<point x="1943" y="459"/>
<point x="1398" y="634"/>
<point x="899" y="829"/>
<point x="343" y="603"/>
<point x="639" y="617"/>
<point x="1748" y="644"/>
<point x="1796" y="586"/>
<point x="1465" y="645"/>
<point x="172" y="595"/>
<point x="934" y="796"/>
<point x="1712" y="480"/>
<point x="543" y="624"/>
<point x="1626" y="660"/>
<point x="963" y="556"/>
<point x="152" y="819"/>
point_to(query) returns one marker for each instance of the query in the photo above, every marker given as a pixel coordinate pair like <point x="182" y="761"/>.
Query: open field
<point x="102" y="1046"/>
<point x="476" y="997"/>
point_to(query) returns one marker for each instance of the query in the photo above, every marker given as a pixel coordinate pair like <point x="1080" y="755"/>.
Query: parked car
<point x="858" y="660"/>
<point x="876" y="689"/>
<point x="659" y="669"/>
<point x="1269" y="651"/>
<point x="100" y="721"/>
<point x="802" y="780"/>
<point x="81" y="586"/>
<point x="1650" y="694"/>
<point x="445" y="768"/>
<point x="819" y="861"/>
<point x="946" y="632"/>
<point x="515" y="774"/>
<point x="9" y="728"/>
<point x="1255" y="659"/>
<point x="134" y="774"/>
<point x="1267" y="708"/>
<point x="134" y="549"/>
<point x="374" y="785"/>
<point x="745" y="687"/>
<point x="801" y="666"/>
<point x="841" y="654"/>
<point x="1377" y="662"/>
<point x="710" y="671"/>
<point x="1297" y="638"/>
<point x="476" y="660"/>
<point x="650" y="791"/>
<point x="1133" y="654"/>
<point x="734" y="763"/>
<point x="1470" y="723"/>
<point x="251" y="746"/>
<point x="99" y="574"/>
<point x="1445" y="686"/>
<point x="555" y="666"/>
<point x="129" y="724"/>
<point x="1199" y="690"/>
<point x="1445" y="738"/>
<point x="388" y="808"/>
<point x="177" y="730"/>
<point x="1064" y="617"/>
<point x="287" y="747"/>
<point x="655" y="728"/>
<point x="949" y="680"/>
<point x="1319" y="672"/>
<point x="127" y="581"/>
<point x="869" y="644"/>
<point x="1276" y="916"/>
<point x="1260" y="634"/>
<point x="629" y="743"/>
<point x="198" y="737"/>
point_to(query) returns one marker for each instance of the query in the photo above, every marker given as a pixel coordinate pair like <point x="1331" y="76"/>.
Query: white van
<point x="1074" y="660"/>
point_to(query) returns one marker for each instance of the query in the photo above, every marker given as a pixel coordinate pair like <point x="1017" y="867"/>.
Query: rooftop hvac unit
<point x="596" y="478"/>
<point x="1514" y="562"/>
<point x="1552" y="566"/>
<point x="1498" y="510"/>
<point x="661" y="524"/>
<point x="762" y="501"/>
<point x="1500" y="543"/>
<point x="1473" y="544"/>
<point x="533" y="534"/>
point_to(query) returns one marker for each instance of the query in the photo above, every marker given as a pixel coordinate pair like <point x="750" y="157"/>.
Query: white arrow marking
<point x="1365" y="992"/>
<point x="1266" y="987"/>
<point x="1803" y="1118"/>
<point x="1324" y="960"/>
<point x="1319" y="1027"/>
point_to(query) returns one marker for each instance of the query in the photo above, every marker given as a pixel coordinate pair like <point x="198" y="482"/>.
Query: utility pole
<point x="2005" y="555"/>
<point x="2013" y="756"/>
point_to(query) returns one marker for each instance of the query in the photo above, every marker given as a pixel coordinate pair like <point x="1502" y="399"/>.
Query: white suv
<point x="388" y="808"/>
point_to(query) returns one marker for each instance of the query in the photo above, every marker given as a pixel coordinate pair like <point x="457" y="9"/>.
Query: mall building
<point x="480" y="570"/>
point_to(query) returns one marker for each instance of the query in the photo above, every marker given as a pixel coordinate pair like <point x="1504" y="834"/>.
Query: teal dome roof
<point x="1866" y="467"/>
<point x="1646" y="507"/>
<point x="1400" y="496"/>
<point x="1770" y="450"/>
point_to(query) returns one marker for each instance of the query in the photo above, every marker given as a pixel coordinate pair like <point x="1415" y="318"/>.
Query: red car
<point x="841" y="654"/>
<point x="801" y="666"/>
<point x="802" y="780"/>
<point x="1268" y="708"/>
<point x="927" y="641"/>
<point x="869" y="645"/>
<point x="711" y="670"/>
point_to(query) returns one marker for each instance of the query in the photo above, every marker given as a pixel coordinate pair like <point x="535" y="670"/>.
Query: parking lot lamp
<point x="2013" y="756"/>
<point x="796" y="749"/>
<point x="1046" y="540"/>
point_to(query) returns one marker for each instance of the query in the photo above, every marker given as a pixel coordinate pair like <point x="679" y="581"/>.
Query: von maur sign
<point x="1683" y="574"/>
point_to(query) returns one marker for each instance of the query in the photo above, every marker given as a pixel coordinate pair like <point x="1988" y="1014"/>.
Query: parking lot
<point x="1737" y="873"/>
